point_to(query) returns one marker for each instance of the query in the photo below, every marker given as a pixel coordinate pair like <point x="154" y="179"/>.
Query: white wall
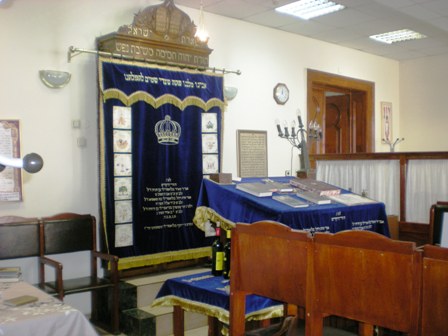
<point x="423" y="93"/>
<point x="37" y="34"/>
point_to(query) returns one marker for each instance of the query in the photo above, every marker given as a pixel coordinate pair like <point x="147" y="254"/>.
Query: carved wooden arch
<point x="160" y="33"/>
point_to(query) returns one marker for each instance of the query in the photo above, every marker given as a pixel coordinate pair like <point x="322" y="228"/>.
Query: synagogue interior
<point x="256" y="167"/>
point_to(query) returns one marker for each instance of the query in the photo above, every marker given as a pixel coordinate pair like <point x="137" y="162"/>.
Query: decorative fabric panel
<point x="160" y="132"/>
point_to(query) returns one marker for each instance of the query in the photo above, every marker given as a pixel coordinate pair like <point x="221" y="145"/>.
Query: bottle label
<point x="219" y="266"/>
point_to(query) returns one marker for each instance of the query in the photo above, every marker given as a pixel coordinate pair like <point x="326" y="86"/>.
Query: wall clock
<point x="281" y="93"/>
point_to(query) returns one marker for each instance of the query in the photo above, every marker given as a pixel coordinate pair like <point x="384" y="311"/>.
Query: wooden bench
<point x="268" y="259"/>
<point x="434" y="291"/>
<point x="366" y="277"/>
<point x="68" y="233"/>
<point x="19" y="237"/>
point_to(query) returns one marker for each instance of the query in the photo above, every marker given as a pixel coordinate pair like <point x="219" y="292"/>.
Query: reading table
<point x="207" y="294"/>
<point x="47" y="316"/>
<point x="228" y="205"/>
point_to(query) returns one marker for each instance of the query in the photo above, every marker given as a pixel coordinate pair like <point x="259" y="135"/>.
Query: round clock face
<point x="281" y="93"/>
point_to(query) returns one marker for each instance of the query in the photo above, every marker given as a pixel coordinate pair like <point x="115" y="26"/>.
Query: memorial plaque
<point x="10" y="178"/>
<point x="252" y="153"/>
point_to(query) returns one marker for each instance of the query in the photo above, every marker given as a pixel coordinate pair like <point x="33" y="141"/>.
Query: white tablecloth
<point x="47" y="317"/>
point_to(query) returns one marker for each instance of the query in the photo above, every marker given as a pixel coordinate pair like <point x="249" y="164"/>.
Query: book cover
<point x="313" y="197"/>
<point x="9" y="270"/>
<point x="279" y="187"/>
<point x="20" y="300"/>
<point x="291" y="201"/>
<point x="351" y="199"/>
<point x="319" y="187"/>
<point x="255" y="188"/>
<point x="10" y="274"/>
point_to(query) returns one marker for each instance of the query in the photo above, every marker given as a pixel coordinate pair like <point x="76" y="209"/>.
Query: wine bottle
<point x="217" y="253"/>
<point x="226" y="270"/>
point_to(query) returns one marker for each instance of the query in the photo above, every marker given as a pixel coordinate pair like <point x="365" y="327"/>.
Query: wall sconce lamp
<point x="54" y="79"/>
<point x="230" y="92"/>
<point x="31" y="163"/>
<point x="314" y="129"/>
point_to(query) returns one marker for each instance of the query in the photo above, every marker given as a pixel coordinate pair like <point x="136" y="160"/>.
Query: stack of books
<point x="255" y="188"/>
<point x="318" y="187"/>
<point x="10" y="274"/>
<point x="313" y="197"/>
<point x="352" y="199"/>
<point x="291" y="201"/>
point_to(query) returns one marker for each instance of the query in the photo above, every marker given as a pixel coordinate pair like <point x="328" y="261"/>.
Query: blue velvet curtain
<point x="160" y="131"/>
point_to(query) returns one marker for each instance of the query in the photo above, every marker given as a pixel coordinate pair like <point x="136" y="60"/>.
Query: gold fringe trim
<point x="165" y="99"/>
<point x="220" y="313"/>
<point x="204" y="214"/>
<point x="102" y="163"/>
<point x="163" y="257"/>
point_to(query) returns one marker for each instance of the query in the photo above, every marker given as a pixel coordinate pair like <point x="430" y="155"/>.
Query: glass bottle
<point x="217" y="253"/>
<point x="226" y="270"/>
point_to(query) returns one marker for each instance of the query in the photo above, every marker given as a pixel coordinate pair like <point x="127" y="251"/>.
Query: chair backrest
<point x="67" y="232"/>
<point x="438" y="232"/>
<point x="365" y="276"/>
<point x="19" y="237"/>
<point x="270" y="259"/>
<point x="434" y="291"/>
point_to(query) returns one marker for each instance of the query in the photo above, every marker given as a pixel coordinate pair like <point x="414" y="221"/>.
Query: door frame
<point x="324" y="79"/>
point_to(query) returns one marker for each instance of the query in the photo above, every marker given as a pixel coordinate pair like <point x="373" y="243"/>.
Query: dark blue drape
<point x="165" y="128"/>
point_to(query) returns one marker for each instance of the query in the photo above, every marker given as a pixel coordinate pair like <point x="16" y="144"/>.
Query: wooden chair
<point x="69" y="233"/>
<point x="19" y="237"/>
<point x="434" y="308"/>
<point x="367" y="277"/>
<point x="268" y="259"/>
<point x="436" y="215"/>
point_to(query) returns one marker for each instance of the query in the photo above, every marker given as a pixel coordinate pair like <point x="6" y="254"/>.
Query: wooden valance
<point x="160" y="33"/>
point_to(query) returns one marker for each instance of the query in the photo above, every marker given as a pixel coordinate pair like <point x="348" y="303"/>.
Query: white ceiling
<point x="352" y="26"/>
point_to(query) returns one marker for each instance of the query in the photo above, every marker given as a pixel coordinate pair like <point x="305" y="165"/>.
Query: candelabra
<point x="297" y="139"/>
<point x="393" y="144"/>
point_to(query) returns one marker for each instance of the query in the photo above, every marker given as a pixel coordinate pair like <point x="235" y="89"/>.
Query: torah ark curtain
<point x="160" y="133"/>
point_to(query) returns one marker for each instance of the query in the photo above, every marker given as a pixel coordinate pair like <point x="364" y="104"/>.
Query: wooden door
<point x="343" y="107"/>
<point x="337" y="124"/>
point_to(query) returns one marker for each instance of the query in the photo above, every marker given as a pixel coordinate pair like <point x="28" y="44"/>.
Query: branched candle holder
<point x="392" y="144"/>
<point x="297" y="139"/>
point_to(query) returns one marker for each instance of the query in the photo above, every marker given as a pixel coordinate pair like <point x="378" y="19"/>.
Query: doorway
<point x="341" y="113"/>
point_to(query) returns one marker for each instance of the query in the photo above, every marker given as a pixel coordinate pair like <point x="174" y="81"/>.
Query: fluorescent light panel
<point x="308" y="9"/>
<point x="397" y="36"/>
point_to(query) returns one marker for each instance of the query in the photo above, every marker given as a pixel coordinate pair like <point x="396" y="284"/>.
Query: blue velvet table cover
<point x="207" y="294"/>
<point x="237" y="206"/>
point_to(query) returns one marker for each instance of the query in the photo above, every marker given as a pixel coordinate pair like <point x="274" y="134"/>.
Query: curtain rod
<point x="73" y="51"/>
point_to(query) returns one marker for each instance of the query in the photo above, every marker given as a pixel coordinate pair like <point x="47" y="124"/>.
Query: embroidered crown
<point x="167" y="131"/>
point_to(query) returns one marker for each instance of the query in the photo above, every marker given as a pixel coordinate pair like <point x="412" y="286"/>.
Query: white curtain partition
<point x="427" y="183"/>
<point x="379" y="179"/>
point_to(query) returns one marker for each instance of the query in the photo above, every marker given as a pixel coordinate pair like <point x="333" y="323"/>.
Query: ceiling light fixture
<point x="308" y="9"/>
<point x="397" y="36"/>
<point x="201" y="32"/>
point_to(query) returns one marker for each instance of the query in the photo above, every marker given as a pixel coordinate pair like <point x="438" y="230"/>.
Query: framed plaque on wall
<point x="252" y="153"/>
<point x="10" y="178"/>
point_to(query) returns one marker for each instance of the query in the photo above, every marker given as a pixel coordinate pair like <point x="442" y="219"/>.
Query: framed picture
<point x="10" y="178"/>
<point x="252" y="153"/>
<point x="386" y="122"/>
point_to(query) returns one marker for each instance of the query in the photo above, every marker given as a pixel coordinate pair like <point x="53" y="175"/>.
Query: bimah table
<point x="228" y="205"/>
<point x="207" y="294"/>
